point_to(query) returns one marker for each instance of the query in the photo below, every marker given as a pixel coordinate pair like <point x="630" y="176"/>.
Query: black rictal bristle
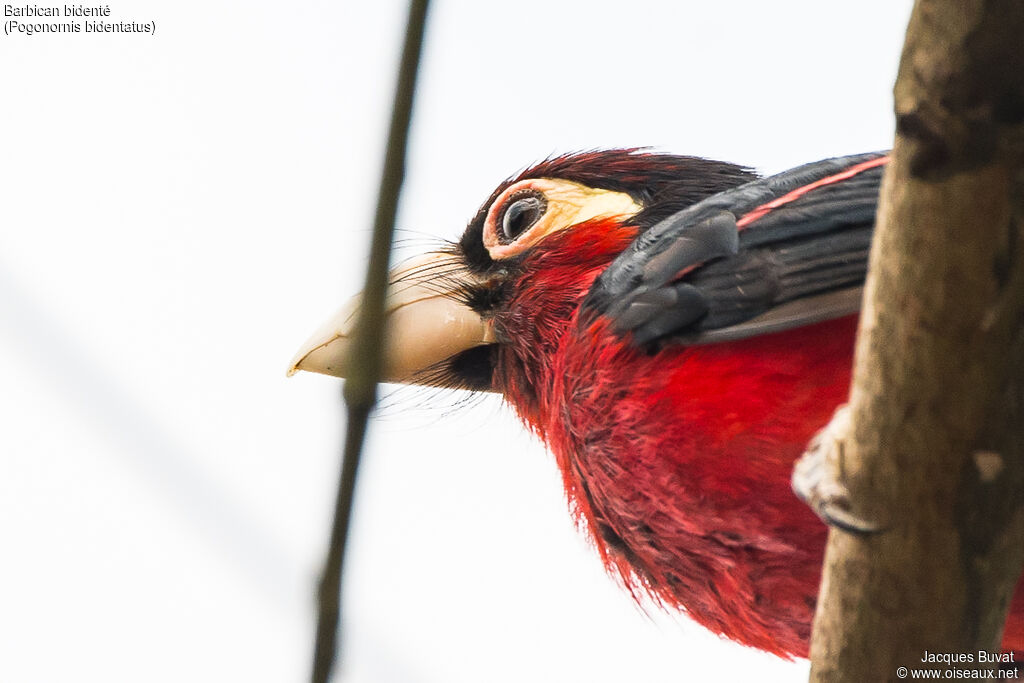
<point x="473" y="369"/>
<point x="486" y="298"/>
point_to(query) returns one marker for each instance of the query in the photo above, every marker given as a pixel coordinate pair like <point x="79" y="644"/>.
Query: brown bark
<point x="933" y="454"/>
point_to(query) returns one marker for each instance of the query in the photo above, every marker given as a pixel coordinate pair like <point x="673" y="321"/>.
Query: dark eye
<point x="521" y="212"/>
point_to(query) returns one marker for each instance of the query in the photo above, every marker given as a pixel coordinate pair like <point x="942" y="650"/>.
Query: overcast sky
<point x="180" y="210"/>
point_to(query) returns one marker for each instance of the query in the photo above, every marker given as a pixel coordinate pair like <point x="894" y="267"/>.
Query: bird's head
<point x="510" y="285"/>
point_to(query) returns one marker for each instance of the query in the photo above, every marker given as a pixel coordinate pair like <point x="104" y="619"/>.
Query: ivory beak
<point x="424" y="325"/>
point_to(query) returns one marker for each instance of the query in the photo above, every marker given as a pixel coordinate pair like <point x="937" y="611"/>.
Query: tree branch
<point x="933" y="453"/>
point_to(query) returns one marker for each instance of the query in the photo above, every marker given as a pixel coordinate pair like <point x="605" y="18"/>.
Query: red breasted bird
<point x="676" y="330"/>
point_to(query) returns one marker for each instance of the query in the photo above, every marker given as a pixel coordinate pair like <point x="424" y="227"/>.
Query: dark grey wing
<point x="770" y="255"/>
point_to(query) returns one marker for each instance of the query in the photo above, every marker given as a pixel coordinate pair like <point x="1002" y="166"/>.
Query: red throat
<point x="546" y="298"/>
<point x="677" y="463"/>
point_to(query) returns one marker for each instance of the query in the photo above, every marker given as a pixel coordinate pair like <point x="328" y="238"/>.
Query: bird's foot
<point x="818" y="479"/>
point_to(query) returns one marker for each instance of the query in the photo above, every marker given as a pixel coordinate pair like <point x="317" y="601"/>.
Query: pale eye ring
<point x="521" y="212"/>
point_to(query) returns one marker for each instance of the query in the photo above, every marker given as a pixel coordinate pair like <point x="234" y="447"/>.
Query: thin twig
<point x="361" y="385"/>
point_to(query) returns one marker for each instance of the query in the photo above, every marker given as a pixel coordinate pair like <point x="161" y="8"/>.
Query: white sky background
<point x="179" y="212"/>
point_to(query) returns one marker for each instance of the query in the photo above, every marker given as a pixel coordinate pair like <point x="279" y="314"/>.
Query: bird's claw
<point x="817" y="479"/>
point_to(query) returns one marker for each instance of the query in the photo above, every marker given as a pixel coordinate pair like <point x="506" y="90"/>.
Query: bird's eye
<point x="521" y="212"/>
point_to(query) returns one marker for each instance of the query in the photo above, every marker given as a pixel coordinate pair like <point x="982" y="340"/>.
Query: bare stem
<point x="361" y="386"/>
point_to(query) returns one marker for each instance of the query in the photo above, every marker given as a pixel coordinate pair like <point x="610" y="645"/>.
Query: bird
<point x="676" y="330"/>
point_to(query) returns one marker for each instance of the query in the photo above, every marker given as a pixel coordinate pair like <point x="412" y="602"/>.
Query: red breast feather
<point x="677" y="462"/>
